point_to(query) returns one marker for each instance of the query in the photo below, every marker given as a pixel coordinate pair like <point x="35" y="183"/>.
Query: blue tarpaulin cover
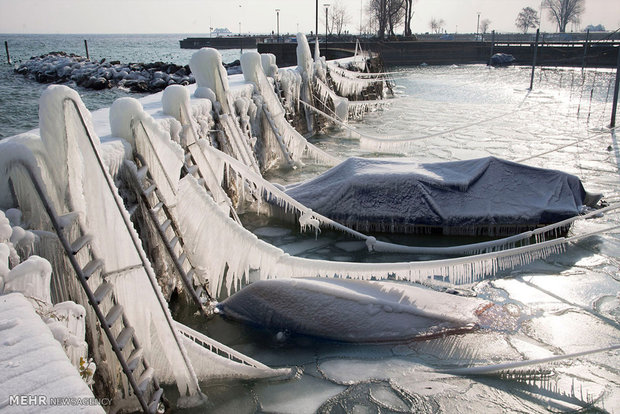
<point x="480" y="196"/>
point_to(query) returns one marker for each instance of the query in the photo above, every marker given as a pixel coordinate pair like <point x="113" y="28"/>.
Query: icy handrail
<point x="34" y="176"/>
<point x="146" y="138"/>
<point x="362" y="137"/>
<point x="288" y="136"/>
<point x="210" y="178"/>
<point x="137" y="244"/>
<point x="350" y="86"/>
<point x="355" y="108"/>
<point x="352" y="74"/>
<point x="217" y="348"/>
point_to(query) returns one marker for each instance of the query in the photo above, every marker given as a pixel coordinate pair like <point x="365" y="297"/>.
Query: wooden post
<point x="534" y="60"/>
<point x="585" y="50"/>
<point x="492" y="45"/>
<point x="86" y="47"/>
<point x="8" y="57"/>
<point x="614" y="105"/>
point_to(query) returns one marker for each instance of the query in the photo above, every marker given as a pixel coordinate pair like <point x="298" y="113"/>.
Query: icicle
<point x="296" y="145"/>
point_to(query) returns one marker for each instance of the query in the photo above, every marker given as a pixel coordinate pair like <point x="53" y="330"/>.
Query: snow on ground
<point x="36" y="373"/>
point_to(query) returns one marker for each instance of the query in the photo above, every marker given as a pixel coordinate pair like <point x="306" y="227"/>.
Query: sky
<point x="259" y="16"/>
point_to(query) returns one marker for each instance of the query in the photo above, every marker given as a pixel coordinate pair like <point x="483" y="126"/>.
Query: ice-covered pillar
<point x="211" y="77"/>
<point x="122" y="112"/>
<point x="305" y="68"/>
<point x="268" y="61"/>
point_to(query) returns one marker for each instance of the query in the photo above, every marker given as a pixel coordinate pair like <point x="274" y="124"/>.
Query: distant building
<point x="597" y="28"/>
<point x="222" y="31"/>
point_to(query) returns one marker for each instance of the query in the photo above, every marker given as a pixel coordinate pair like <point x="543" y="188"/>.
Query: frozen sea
<point x="565" y="304"/>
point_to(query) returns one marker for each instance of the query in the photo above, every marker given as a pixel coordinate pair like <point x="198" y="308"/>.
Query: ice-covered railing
<point x="344" y="108"/>
<point x="212" y="83"/>
<point x="73" y="172"/>
<point x="147" y="138"/>
<point x="228" y="271"/>
<point x="176" y="103"/>
<point x="305" y="67"/>
<point x="214" y="360"/>
<point x="351" y="86"/>
<point x="294" y="146"/>
<point x="360" y="75"/>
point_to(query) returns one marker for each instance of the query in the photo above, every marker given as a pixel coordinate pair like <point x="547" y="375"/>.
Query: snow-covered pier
<point x="128" y="208"/>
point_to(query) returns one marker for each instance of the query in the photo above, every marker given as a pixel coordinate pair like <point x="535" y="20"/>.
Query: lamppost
<point x="316" y="28"/>
<point x="478" y="26"/>
<point x="240" y="38"/>
<point x="278" y="23"/>
<point x="326" y="21"/>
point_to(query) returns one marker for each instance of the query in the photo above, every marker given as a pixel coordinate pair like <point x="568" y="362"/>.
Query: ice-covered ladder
<point x="279" y="137"/>
<point x="140" y="375"/>
<point x="169" y="232"/>
<point x="198" y="165"/>
<point x="194" y="165"/>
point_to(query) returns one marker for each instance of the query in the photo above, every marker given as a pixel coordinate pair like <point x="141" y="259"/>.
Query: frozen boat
<point x="487" y="196"/>
<point x="352" y="311"/>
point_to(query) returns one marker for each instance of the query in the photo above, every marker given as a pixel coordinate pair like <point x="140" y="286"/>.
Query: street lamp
<point x="240" y="38"/>
<point x="278" y="23"/>
<point x="326" y="21"/>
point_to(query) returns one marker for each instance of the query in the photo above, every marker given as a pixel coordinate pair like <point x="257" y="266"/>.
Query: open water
<point x="19" y="96"/>
<point x="567" y="303"/>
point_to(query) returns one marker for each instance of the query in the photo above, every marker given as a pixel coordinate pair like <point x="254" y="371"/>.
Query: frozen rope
<point x="577" y="142"/>
<point x="398" y="141"/>
<point x="498" y="368"/>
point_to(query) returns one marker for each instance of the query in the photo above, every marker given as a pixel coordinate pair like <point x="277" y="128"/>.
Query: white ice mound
<point x="206" y="65"/>
<point x="480" y="196"/>
<point x="348" y="310"/>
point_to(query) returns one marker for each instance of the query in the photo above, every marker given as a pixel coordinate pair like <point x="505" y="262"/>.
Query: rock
<point x="100" y="83"/>
<point x="139" y="77"/>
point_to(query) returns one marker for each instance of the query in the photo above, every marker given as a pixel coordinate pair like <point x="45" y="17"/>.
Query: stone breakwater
<point x="60" y="67"/>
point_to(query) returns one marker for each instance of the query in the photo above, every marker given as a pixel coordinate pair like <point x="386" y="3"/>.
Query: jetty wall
<point x="447" y="52"/>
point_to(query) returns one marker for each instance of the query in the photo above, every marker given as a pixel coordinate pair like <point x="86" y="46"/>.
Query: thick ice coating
<point x="481" y="196"/>
<point x="206" y="65"/>
<point x="349" y="310"/>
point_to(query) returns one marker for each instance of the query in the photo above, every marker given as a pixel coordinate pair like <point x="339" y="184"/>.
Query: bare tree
<point x="528" y="17"/>
<point x="377" y="16"/>
<point x="563" y="12"/>
<point x="408" y="16"/>
<point x="387" y="15"/>
<point x="484" y="25"/>
<point x="436" y="25"/>
<point x="338" y="18"/>
<point x="395" y="14"/>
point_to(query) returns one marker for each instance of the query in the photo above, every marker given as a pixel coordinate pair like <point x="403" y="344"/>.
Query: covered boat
<point x="486" y="196"/>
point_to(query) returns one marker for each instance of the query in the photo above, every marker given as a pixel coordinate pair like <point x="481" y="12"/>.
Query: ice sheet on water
<point x="271" y="231"/>
<point x="302" y="396"/>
